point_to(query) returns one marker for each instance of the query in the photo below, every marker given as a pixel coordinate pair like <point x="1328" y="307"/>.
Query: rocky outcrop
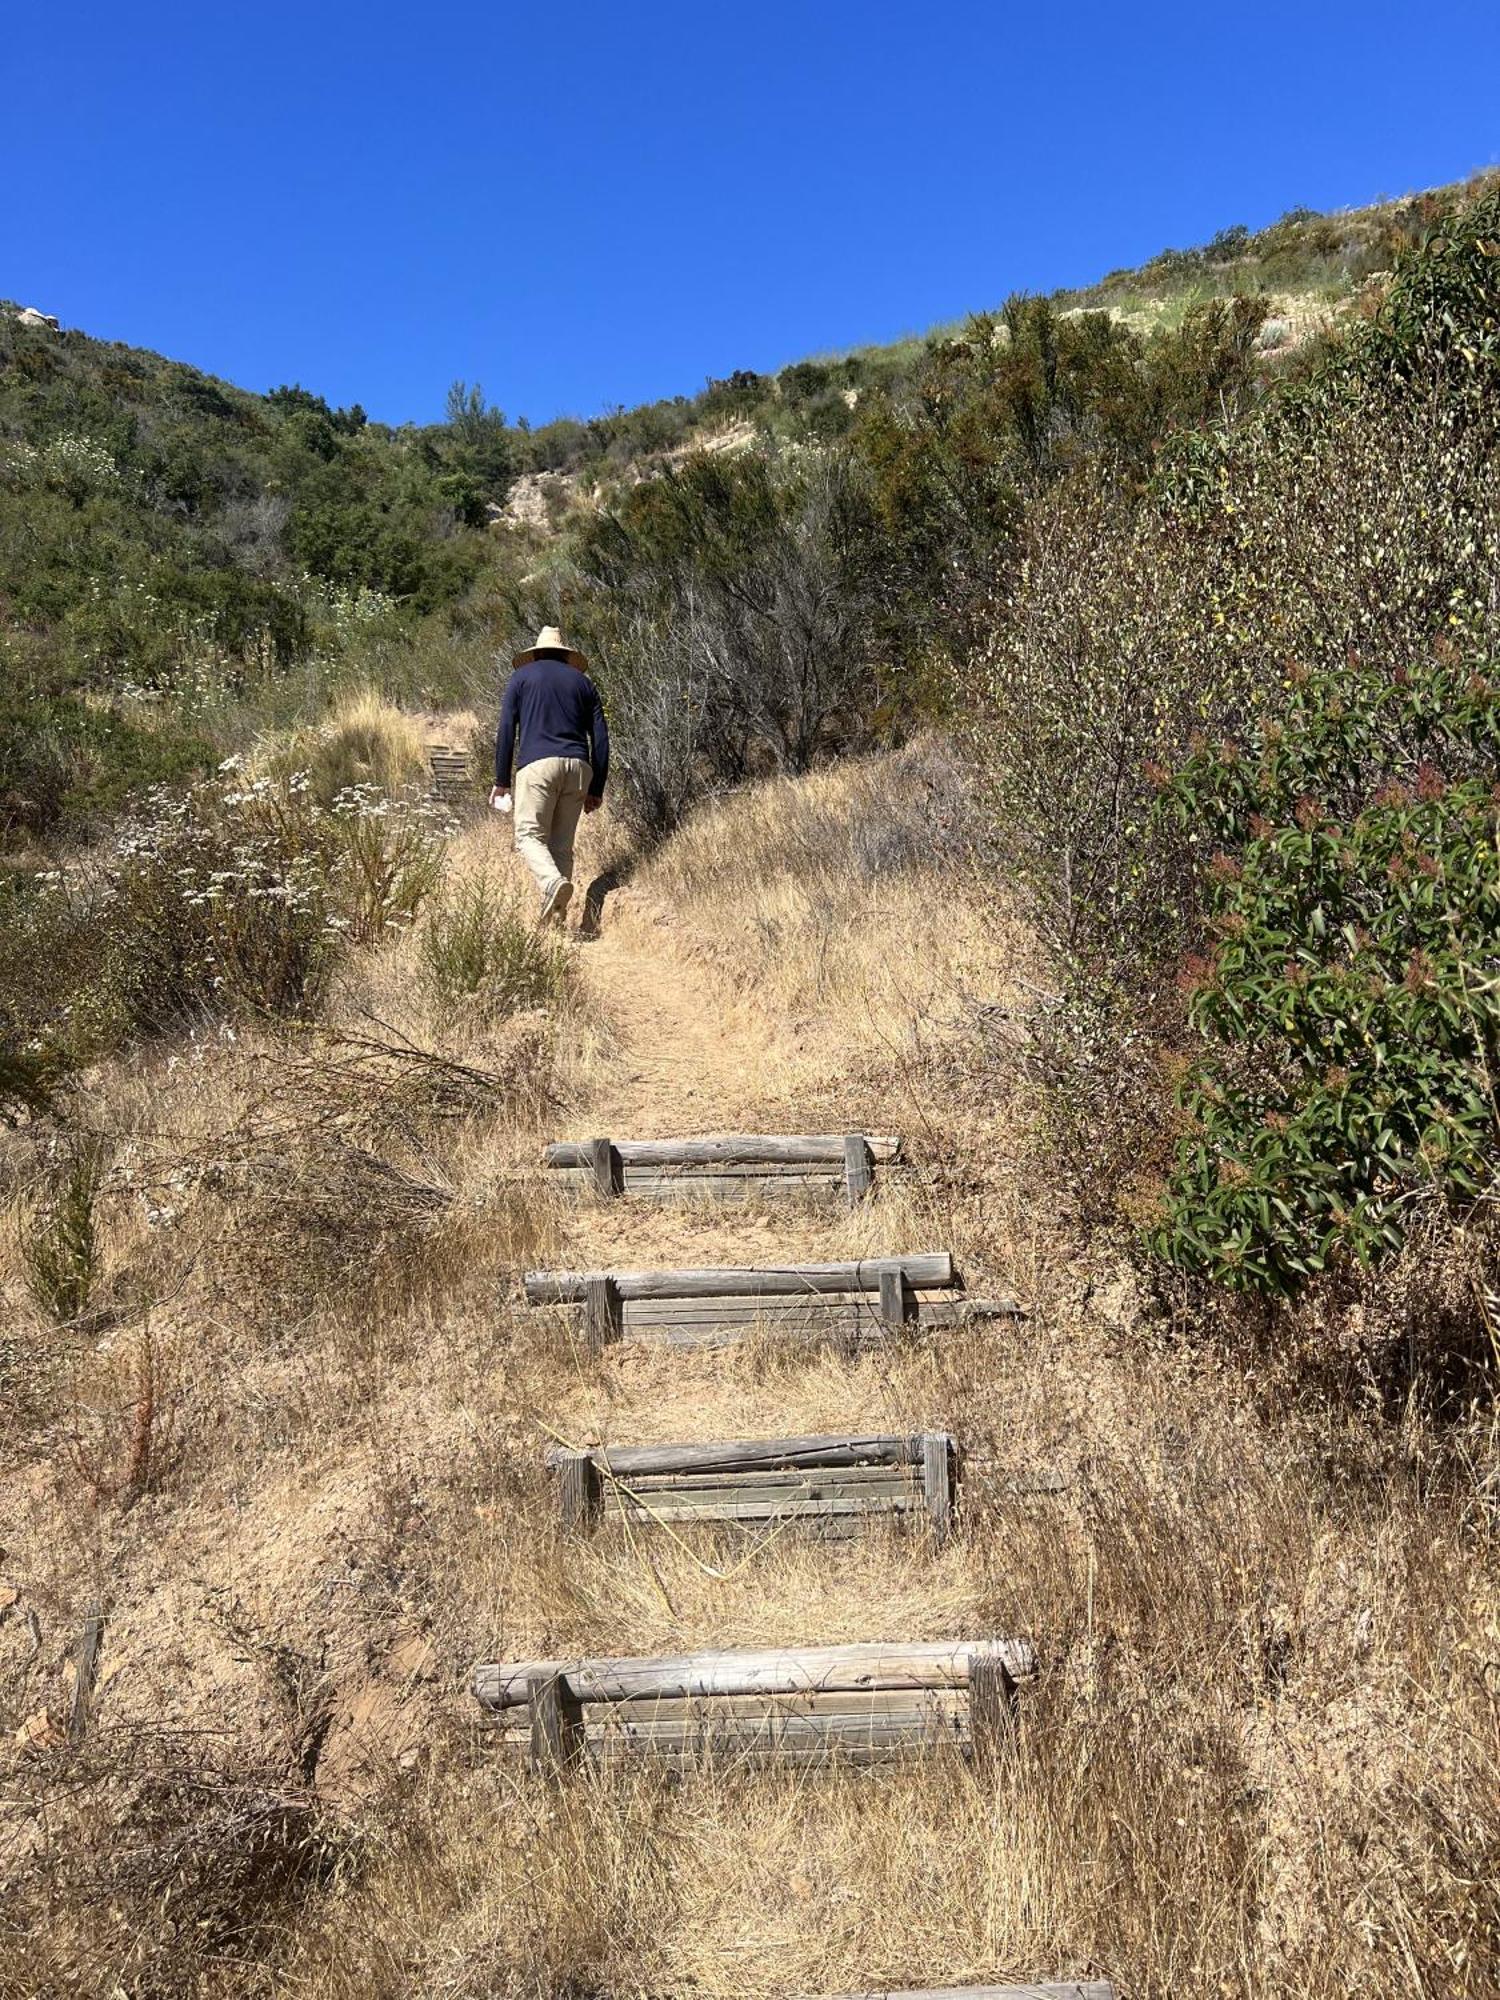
<point x="29" y="316"/>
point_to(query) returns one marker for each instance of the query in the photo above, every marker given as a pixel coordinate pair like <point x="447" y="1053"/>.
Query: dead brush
<point x="159" y="1863"/>
<point x="304" y="1222"/>
<point x="120" y="1427"/>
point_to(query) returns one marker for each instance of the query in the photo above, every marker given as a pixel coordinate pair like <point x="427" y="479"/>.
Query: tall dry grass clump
<point x="364" y="740"/>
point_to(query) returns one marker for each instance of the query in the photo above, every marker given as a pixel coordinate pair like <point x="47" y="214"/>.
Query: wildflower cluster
<point x="72" y="463"/>
<point x="243" y="893"/>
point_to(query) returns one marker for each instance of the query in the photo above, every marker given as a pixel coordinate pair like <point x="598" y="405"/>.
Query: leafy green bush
<point x="482" y="955"/>
<point x="1351" y="997"/>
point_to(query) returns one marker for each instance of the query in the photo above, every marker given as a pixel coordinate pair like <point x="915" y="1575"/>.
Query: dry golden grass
<point x="364" y="740"/>
<point x="1263" y="1753"/>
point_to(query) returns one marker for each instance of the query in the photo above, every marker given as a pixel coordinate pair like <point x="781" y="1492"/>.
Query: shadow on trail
<point x="593" y="900"/>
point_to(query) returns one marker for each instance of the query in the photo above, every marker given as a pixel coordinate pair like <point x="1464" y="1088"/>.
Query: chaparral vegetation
<point x="1072" y="740"/>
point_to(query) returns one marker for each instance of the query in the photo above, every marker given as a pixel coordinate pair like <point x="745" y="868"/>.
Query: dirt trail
<point x="685" y="1057"/>
<point x="685" y="1053"/>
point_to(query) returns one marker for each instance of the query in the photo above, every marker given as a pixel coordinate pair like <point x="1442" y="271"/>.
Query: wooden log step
<point x="855" y="1703"/>
<point x="1048" y="1989"/>
<point x="749" y="1481"/>
<point x="632" y="1461"/>
<point x="925" y="1269"/>
<point x="736" y="1149"/>
<point x="809" y="1480"/>
<point x="941" y="1663"/>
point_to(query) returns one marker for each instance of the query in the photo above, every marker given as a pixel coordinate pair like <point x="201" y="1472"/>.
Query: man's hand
<point x="498" y="792"/>
<point x="592" y="805"/>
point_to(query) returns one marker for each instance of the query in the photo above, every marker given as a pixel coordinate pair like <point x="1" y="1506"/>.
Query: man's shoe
<point x="556" y="900"/>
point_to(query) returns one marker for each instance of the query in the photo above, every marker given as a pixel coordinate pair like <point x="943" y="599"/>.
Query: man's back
<point x="551" y="709"/>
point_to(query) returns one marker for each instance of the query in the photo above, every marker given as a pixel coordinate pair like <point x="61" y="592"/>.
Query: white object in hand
<point x="501" y="804"/>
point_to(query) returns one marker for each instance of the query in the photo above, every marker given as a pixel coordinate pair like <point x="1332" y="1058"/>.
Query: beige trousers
<point x="549" y="796"/>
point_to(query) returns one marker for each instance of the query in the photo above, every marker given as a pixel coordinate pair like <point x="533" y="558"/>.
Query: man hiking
<point x="554" y="739"/>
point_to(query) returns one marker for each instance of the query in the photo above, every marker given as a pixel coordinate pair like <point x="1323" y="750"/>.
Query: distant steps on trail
<point x="450" y="774"/>
<point x="854" y="1704"/>
<point x="728" y="1166"/>
<point x="836" y="1483"/>
<point x="853" y="1304"/>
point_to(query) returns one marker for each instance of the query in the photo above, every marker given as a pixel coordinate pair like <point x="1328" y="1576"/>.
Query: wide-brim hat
<point x="549" y="640"/>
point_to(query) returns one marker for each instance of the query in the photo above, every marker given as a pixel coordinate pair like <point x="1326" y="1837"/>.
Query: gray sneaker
<point x="556" y="900"/>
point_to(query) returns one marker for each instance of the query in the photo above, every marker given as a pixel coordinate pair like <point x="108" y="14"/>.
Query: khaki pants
<point x="549" y="796"/>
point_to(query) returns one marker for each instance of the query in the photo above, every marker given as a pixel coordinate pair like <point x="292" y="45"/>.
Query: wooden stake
<point x="607" y="1166"/>
<point x="937" y="1481"/>
<point x="992" y="1705"/>
<point x="859" y="1168"/>
<point x="895" y="1298"/>
<point x="556" y="1726"/>
<point x="86" y="1670"/>
<point x="603" y="1313"/>
<point x="578" y="1490"/>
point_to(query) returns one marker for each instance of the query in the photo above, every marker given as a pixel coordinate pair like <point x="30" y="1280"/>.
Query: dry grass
<point x="1263" y="1754"/>
<point x="364" y="740"/>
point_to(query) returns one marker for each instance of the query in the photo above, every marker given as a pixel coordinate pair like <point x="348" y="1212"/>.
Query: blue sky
<point x="584" y="205"/>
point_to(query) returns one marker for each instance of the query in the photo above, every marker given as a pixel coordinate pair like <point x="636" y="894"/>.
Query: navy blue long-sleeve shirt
<point x="550" y="709"/>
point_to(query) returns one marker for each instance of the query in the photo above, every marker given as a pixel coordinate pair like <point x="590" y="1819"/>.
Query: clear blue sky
<point x="580" y="204"/>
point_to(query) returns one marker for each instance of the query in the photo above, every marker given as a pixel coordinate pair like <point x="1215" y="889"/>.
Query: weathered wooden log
<point x="725" y="1508"/>
<point x="630" y="1461"/>
<point x="835" y="1736"/>
<point x="776" y="1479"/>
<point x="824" y="1669"/>
<point x="827" y="1311"/>
<point x="738" y="1148"/>
<point x="922" y="1268"/>
<point x="746" y="1309"/>
<point x="1065" y="1989"/>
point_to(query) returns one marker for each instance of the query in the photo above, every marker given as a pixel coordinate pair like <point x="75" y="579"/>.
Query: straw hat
<point x="549" y="640"/>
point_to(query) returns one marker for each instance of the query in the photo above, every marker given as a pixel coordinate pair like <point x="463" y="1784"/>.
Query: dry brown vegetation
<point x="294" y="1445"/>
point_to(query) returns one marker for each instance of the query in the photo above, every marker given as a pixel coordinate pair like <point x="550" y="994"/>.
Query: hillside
<point x="1084" y="766"/>
<point x="1265" y="1633"/>
<point x="187" y="561"/>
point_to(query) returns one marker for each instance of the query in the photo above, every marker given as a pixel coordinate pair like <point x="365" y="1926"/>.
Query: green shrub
<point x="244" y="895"/>
<point x="59" y="1240"/>
<point x="388" y="859"/>
<point x="480" y="953"/>
<point x="220" y="904"/>
<point x="1350" y="997"/>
